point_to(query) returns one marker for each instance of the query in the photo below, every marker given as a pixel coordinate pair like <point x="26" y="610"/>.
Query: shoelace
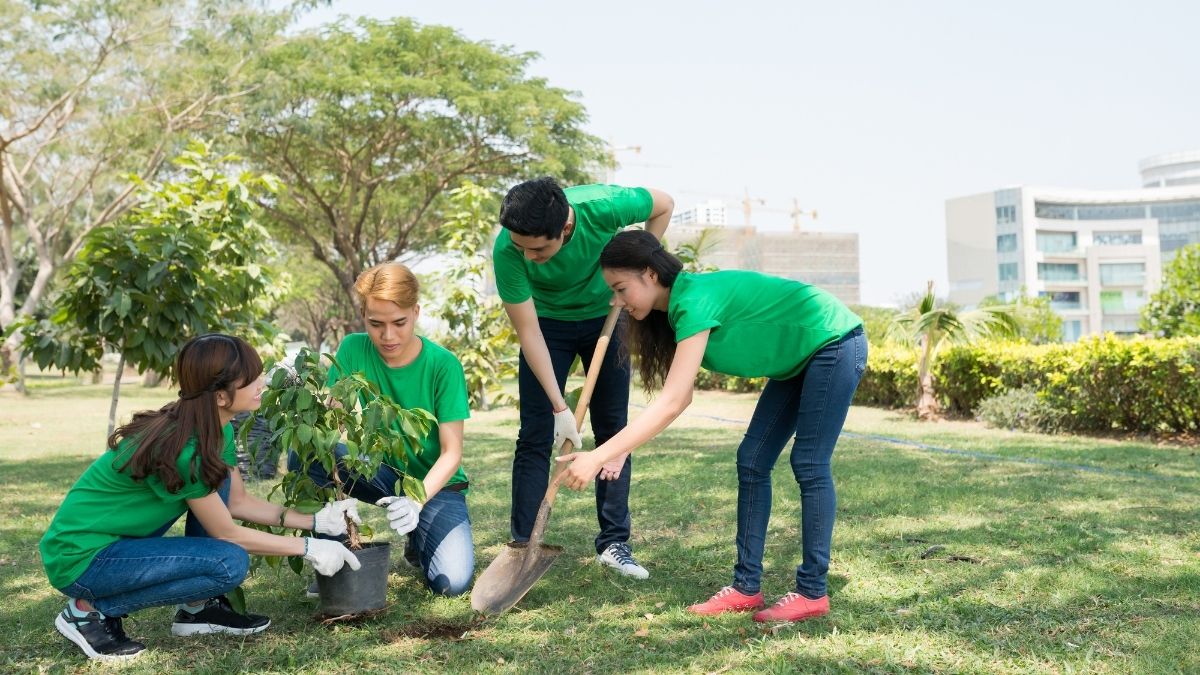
<point x="623" y="555"/>
<point x="724" y="592"/>
<point x="791" y="596"/>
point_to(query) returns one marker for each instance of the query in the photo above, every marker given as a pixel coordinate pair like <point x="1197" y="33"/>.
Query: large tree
<point x="1175" y="309"/>
<point x="92" y="92"/>
<point x="370" y="124"/>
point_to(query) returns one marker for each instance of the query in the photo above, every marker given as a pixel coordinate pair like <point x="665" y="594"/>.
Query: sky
<point x="871" y="113"/>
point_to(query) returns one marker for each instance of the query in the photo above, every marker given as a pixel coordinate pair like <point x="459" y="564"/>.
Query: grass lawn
<point x="1021" y="553"/>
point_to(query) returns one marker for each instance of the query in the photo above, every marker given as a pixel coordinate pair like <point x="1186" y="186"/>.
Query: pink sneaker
<point x="794" y="607"/>
<point x="728" y="599"/>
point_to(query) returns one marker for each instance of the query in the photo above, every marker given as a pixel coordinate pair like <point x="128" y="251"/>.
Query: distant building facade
<point x="1097" y="254"/>
<point x="825" y="259"/>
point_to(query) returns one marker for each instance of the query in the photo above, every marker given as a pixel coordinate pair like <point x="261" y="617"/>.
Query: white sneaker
<point x="619" y="557"/>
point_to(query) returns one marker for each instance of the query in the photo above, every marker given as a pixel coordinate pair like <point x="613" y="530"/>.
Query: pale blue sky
<point x="872" y="113"/>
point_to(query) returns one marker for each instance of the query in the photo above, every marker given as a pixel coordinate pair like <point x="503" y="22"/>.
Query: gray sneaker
<point x="313" y="590"/>
<point x="619" y="557"/>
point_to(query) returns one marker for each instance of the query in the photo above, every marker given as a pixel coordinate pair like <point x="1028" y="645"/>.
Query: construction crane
<point x="797" y="213"/>
<point x="751" y="204"/>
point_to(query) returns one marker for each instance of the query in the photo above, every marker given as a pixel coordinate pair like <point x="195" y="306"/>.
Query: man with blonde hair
<point x="414" y="372"/>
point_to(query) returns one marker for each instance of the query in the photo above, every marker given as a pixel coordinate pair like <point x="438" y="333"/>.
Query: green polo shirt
<point x="569" y="286"/>
<point x="434" y="381"/>
<point x="761" y="326"/>
<point x="107" y="504"/>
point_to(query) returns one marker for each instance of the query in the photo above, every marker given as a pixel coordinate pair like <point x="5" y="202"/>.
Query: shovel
<point x="521" y="564"/>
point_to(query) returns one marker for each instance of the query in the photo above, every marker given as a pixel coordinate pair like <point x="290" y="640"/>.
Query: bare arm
<point x="218" y="522"/>
<point x="245" y="506"/>
<point x="533" y="346"/>
<point x="675" y="397"/>
<point x="450" y="434"/>
<point x="660" y="213"/>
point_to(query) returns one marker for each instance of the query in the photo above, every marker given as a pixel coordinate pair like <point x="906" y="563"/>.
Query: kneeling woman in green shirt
<point x="105" y="548"/>
<point x="414" y="372"/>
<point x="748" y="324"/>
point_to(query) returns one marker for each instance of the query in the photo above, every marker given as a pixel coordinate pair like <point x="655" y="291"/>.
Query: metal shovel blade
<point x="511" y="575"/>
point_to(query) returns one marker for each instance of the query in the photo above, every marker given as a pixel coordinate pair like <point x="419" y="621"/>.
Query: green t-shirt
<point x="106" y="505"/>
<point x="760" y="325"/>
<point x="434" y="381"/>
<point x="569" y="286"/>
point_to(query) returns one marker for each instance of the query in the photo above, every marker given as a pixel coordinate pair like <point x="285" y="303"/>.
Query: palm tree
<point x="928" y="326"/>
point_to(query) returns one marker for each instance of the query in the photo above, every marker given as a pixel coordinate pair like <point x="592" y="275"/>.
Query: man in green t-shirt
<point x="547" y="269"/>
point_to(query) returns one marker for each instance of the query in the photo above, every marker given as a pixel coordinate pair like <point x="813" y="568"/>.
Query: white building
<point x="711" y="212"/>
<point x="1098" y="254"/>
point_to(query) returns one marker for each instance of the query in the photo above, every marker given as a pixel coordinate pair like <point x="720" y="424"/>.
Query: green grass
<point x="1074" y="571"/>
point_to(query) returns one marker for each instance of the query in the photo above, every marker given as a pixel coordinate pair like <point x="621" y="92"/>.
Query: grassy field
<point x="960" y="549"/>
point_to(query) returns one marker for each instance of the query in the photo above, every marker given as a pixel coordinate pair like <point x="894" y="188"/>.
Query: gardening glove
<point x="402" y="513"/>
<point x="331" y="520"/>
<point x="328" y="556"/>
<point x="565" y="429"/>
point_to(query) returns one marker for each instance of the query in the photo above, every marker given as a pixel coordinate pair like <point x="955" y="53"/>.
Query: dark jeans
<point x="135" y="573"/>
<point x="442" y="540"/>
<point x="609" y="411"/>
<point x="813" y="407"/>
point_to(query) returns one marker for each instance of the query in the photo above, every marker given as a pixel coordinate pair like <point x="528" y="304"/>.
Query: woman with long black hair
<point x="809" y="345"/>
<point x="105" y="548"/>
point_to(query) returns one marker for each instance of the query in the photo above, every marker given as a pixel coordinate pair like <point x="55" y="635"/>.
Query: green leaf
<point x="296" y="563"/>
<point x="237" y="600"/>
<point x="414" y="488"/>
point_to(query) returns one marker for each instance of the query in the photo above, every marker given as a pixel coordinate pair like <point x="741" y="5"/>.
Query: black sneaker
<point x="99" y="638"/>
<point x="411" y="557"/>
<point x="218" y="617"/>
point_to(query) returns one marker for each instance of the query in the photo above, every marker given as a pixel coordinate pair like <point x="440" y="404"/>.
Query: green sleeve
<point x="695" y="318"/>
<point x="343" y="356"/>
<point x="610" y="208"/>
<point x="450" y="392"/>
<point x="512" y="282"/>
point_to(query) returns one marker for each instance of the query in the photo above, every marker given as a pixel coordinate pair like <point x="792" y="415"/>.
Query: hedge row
<point x="1096" y="385"/>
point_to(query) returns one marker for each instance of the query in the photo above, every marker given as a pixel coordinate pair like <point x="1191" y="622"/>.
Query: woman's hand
<point x="611" y="470"/>
<point x="583" y="469"/>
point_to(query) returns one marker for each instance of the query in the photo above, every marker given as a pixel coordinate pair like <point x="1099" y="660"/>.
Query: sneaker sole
<point x="724" y="610"/>
<point x="73" y="635"/>
<point x="188" y="629"/>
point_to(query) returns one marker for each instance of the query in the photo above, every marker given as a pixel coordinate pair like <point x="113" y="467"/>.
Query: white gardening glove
<point x="328" y="556"/>
<point x="565" y="430"/>
<point x="331" y="520"/>
<point x="402" y="513"/>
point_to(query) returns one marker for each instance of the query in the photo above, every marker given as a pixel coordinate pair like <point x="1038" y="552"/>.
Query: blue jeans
<point x="813" y="406"/>
<point x="609" y="411"/>
<point x="442" y="540"/>
<point x="135" y="573"/>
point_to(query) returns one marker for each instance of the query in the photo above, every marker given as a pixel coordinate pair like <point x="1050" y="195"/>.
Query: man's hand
<point x="611" y="470"/>
<point x="403" y="513"/>
<point x="328" y="556"/>
<point x="583" y="469"/>
<point x="331" y="520"/>
<point x="565" y="429"/>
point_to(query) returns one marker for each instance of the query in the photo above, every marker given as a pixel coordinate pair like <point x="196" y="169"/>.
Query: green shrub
<point x="890" y="379"/>
<point x="965" y="375"/>
<point x="711" y="381"/>
<point x="1020" y="409"/>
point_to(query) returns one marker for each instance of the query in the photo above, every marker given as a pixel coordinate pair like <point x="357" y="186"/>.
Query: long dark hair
<point x="205" y="365"/>
<point x="651" y="341"/>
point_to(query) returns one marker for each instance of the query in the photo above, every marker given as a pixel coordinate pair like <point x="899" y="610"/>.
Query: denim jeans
<point x="442" y="539"/>
<point x="813" y="407"/>
<point x="609" y="411"/>
<point x="138" y="572"/>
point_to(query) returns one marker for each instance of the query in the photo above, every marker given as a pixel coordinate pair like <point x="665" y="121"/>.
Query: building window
<point x="1006" y="214"/>
<point x="1122" y="325"/>
<point x="1111" y="212"/>
<point x="1058" y="272"/>
<point x="1123" y="274"/>
<point x="1063" y="299"/>
<point x="1072" y="331"/>
<point x="1117" y="238"/>
<point x="1055" y="242"/>
<point x="1006" y="243"/>
<point x="1054" y="211"/>
<point x="1008" y="271"/>
<point x="1119" y="302"/>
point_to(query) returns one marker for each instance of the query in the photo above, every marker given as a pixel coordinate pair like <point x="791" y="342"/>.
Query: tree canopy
<point x="1174" y="310"/>
<point x="371" y="124"/>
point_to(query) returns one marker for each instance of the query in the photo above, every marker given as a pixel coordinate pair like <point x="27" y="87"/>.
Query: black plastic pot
<point x="357" y="591"/>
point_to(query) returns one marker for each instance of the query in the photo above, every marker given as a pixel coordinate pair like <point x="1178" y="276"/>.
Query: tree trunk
<point x="152" y="379"/>
<point x="927" y="405"/>
<point x="116" y="395"/>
